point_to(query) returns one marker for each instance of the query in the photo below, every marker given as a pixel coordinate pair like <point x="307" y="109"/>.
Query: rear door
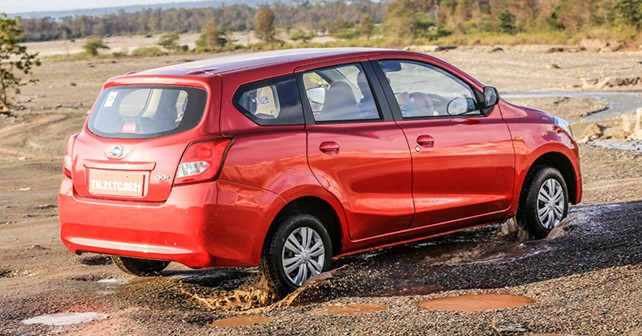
<point x="356" y="150"/>
<point x="134" y="141"/>
<point x="463" y="161"/>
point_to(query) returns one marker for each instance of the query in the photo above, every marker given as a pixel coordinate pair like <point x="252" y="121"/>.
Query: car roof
<point x="237" y="62"/>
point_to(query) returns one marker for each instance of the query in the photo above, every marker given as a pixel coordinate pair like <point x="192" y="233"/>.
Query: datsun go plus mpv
<point x="290" y="159"/>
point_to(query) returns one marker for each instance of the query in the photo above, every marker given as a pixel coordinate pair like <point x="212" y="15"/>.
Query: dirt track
<point x="586" y="281"/>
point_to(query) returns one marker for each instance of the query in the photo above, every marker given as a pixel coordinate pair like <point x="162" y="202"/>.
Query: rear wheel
<point x="543" y="203"/>
<point x="140" y="267"/>
<point x="299" y="249"/>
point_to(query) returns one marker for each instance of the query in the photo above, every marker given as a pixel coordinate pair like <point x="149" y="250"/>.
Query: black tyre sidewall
<point x="271" y="264"/>
<point x="527" y="212"/>
<point x="139" y="267"/>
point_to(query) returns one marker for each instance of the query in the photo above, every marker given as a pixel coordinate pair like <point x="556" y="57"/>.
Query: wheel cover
<point x="550" y="203"/>
<point x="303" y="255"/>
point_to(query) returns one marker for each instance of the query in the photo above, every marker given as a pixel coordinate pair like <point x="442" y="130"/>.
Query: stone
<point x="638" y="120"/>
<point x="619" y="81"/>
<point x="593" y="44"/>
<point x="626" y="126"/>
<point x="636" y="136"/>
<point x="593" y="131"/>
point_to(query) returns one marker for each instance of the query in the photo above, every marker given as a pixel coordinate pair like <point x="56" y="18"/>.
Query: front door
<point x="463" y="161"/>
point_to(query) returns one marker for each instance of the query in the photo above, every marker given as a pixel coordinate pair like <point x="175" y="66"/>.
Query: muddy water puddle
<point x="475" y="302"/>
<point x="240" y="321"/>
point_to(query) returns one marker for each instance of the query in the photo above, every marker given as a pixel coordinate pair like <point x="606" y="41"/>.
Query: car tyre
<point x="140" y="267"/>
<point x="299" y="249"/>
<point x="543" y="202"/>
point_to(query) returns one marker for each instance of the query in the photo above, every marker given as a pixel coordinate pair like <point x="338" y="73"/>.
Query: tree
<point x="366" y="26"/>
<point x="410" y="19"/>
<point x="92" y="46"/>
<point x="507" y="22"/>
<point x="13" y="58"/>
<point x="211" y="39"/>
<point x="264" y="24"/>
<point x="338" y="24"/>
<point x="169" y="41"/>
<point x="629" y="12"/>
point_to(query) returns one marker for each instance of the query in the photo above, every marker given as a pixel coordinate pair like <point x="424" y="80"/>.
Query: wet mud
<point x="475" y="302"/>
<point x="348" y="309"/>
<point x="240" y="321"/>
<point x="428" y="267"/>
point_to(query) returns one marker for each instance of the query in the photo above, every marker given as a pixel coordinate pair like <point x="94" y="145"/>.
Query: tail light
<point x="202" y="161"/>
<point x="67" y="161"/>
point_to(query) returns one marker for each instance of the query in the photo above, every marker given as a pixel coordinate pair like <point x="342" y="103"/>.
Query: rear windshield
<point x="146" y="111"/>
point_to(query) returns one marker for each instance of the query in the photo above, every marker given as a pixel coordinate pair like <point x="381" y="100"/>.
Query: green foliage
<point x="213" y="39"/>
<point x="148" y="52"/>
<point x="14" y="59"/>
<point x="93" y="46"/>
<point x="169" y="41"/>
<point x="507" y="22"/>
<point x="408" y="20"/>
<point x="629" y="12"/>
<point x="347" y="34"/>
<point x="264" y="25"/>
<point x="302" y="36"/>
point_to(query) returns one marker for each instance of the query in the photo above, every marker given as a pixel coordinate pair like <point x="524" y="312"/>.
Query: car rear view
<point x="133" y="165"/>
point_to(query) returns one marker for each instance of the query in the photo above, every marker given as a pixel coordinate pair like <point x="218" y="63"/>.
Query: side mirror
<point x="457" y="106"/>
<point x="491" y="97"/>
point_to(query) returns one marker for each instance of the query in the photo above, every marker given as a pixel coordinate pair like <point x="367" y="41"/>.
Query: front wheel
<point x="543" y="203"/>
<point x="299" y="249"/>
<point x="140" y="267"/>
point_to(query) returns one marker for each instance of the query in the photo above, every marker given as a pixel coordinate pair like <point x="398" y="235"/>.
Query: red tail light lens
<point x="202" y="161"/>
<point x="67" y="161"/>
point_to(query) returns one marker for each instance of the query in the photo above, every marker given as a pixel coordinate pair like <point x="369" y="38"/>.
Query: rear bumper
<point x="200" y="225"/>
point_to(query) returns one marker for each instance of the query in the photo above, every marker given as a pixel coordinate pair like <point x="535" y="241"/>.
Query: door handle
<point x="425" y="141"/>
<point x="329" y="147"/>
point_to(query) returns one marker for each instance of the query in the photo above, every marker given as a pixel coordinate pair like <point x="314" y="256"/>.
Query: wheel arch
<point x="560" y="162"/>
<point x="317" y="207"/>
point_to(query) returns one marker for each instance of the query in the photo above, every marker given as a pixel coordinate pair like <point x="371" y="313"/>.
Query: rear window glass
<point x="146" y="111"/>
<point x="271" y="102"/>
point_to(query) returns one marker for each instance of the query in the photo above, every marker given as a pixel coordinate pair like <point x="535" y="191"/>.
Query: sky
<point x="17" y="6"/>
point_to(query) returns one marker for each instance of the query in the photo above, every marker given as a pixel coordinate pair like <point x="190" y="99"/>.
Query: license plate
<point x="116" y="183"/>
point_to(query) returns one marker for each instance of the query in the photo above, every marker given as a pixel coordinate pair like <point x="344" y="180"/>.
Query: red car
<point x="290" y="159"/>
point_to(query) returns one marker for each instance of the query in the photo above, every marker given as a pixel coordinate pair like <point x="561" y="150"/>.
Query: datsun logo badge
<point x="115" y="151"/>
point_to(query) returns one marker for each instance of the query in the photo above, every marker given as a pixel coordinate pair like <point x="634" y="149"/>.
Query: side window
<point x="340" y="93"/>
<point x="271" y="102"/>
<point x="423" y="90"/>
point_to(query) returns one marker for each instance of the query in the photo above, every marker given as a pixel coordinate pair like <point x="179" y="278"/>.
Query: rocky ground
<point x="586" y="279"/>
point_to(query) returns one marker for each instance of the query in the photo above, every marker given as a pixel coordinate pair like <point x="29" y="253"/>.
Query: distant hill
<point x="135" y="8"/>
